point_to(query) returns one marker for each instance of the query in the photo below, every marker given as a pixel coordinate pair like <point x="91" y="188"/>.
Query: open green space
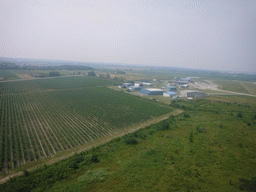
<point x="240" y="99"/>
<point x="210" y="147"/>
<point x="250" y="87"/>
<point x="234" y="86"/>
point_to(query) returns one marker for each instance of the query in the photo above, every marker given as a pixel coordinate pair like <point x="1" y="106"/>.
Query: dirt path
<point x="92" y="144"/>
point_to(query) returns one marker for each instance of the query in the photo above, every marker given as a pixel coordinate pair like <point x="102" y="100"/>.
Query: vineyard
<point x="40" y="118"/>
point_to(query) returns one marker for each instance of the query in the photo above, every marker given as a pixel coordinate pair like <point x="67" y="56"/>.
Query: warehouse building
<point x="181" y="82"/>
<point x="127" y="84"/>
<point x="135" y="88"/>
<point x="152" y="91"/>
<point x="170" y="88"/>
<point x="196" y="94"/>
<point x="192" y="93"/>
<point x="169" y="94"/>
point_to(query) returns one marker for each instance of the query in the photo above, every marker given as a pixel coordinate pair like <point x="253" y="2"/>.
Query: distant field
<point x="53" y="84"/>
<point x="234" y="99"/>
<point x="8" y="75"/>
<point x="40" y="118"/>
<point x="234" y="86"/>
<point x="250" y="87"/>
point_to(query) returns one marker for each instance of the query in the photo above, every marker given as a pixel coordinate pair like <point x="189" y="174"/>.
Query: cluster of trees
<point x="8" y="65"/>
<point x="54" y="74"/>
<point x="91" y="73"/>
<point x="14" y="66"/>
<point x="107" y="76"/>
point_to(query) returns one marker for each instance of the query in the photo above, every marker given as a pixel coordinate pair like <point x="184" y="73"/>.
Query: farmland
<point x="42" y="117"/>
<point x="211" y="148"/>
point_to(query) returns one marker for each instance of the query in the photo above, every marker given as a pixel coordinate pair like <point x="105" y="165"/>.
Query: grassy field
<point x="234" y="86"/>
<point x="211" y="147"/>
<point x="250" y="87"/>
<point x="240" y="99"/>
<point x="40" y="118"/>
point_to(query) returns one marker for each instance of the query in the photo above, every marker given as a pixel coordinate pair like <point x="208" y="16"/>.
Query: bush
<point x="239" y="115"/>
<point x="26" y="173"/>
<point x="191" y="136"/>
<point x="131" y="141"/>
<point x="186" y="115"/>
<point x="163" y="126"/>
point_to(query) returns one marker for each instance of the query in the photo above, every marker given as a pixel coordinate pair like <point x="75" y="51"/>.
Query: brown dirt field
<point x="24" y="76"/>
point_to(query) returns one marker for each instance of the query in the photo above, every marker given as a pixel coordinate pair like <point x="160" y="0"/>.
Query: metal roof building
<point x="181" y="82"/>
<point x="196" y="94"/>
<point x="128" y="84"/>
<point x="135" y="88"/>
<point x="152" y="91"/>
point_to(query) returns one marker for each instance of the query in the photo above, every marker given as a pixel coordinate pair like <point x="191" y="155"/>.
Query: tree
<point x="108" y="76"/>
<point x="91" y="73"/>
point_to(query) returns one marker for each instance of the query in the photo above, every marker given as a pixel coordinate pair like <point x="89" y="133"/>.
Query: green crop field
<point x="48" y="84"/>
<point x="40" y="118"/>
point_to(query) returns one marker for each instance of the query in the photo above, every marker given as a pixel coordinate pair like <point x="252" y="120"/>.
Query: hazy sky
<point x="205" y="34"/>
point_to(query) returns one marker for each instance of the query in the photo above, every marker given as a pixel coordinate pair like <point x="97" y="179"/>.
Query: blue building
<point x="169" y="94"/>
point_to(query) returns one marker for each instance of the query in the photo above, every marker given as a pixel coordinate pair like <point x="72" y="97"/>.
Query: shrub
<point x="186" y="115"/>
<point x="26" y="173"/>
<point x="191" y="135"/>
<point x="163" y="126"/>
<point x="131" y="141"/>
<point x="200" y="130"/>
<point x="239" y="115"/>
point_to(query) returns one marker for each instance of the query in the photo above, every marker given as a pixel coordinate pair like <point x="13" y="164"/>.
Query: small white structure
<point x="147" y="84"/>
<point x="138" y="85"/>
<point x="127" y="84"/>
